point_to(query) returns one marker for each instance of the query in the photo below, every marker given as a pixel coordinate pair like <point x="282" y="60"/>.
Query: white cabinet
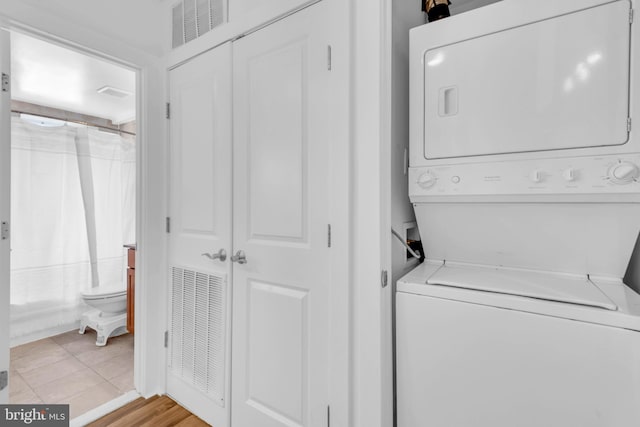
<point x="269" y="200"/>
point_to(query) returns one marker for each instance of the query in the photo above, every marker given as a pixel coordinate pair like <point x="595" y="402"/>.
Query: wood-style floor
<point x="157" y="411"/>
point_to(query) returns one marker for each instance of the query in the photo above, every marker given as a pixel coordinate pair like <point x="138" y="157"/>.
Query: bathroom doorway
<point x="73" y="201"/>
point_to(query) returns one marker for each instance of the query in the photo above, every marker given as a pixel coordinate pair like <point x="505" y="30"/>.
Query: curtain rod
<point x="74" y="121"/>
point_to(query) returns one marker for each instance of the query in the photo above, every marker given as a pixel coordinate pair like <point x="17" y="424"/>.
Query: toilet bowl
<point x="109" y="314"/>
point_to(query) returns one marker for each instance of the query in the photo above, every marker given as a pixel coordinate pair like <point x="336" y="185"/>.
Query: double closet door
<point x="249" y="203"/>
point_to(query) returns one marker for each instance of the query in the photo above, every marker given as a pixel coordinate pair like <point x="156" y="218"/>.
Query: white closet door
<point x="281" y="205"/>
<point x="5" y="208"/>
<point x="200" y="206"/>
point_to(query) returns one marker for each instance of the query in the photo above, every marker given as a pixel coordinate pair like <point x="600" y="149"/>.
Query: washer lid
<point x="572" y="289"/>
<point x="104" y="291"/>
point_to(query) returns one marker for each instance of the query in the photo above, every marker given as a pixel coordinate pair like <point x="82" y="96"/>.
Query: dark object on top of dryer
<point x="436" y="9"/>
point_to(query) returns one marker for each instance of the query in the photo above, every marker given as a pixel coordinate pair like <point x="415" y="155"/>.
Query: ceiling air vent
<point x="193" y="18"/>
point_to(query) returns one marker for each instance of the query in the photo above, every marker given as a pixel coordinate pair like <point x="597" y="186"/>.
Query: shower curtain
<point x="72" y="209"/>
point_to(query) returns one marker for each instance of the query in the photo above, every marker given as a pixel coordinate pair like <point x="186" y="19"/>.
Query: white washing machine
<point x="524" y="175"/>
<point x="499" y="347"/>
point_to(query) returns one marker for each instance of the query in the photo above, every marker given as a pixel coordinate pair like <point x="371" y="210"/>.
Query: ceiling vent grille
<point x="193" y="18"/>
<point x="198" y="330"/>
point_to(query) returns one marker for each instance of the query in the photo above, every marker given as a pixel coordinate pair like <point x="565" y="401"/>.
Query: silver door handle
<point x="221" y="255"/>
<point x="239" y="257"/>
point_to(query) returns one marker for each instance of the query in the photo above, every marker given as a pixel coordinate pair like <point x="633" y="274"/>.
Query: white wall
<point x="85" y="27"/>
<point x="136" y="24"/>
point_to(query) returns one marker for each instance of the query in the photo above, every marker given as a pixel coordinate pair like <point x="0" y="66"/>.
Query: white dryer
<point x="524" y="175"/>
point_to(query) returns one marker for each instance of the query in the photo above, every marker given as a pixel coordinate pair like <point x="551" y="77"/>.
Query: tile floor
<point x="70" y="368"/>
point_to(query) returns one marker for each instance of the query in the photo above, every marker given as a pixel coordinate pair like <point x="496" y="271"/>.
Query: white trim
<point x="150" y="181"/>
<point x="16" y="26"/>
<point x="104" y="409"/>
<point x="5" y="212"/>
<point x="371" y="375"/>
<point x="151" y="281"/>
<point x="386" y="141"/>
<point x="341" y="160"/>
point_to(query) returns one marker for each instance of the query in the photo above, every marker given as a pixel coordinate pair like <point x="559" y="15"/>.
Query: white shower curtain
<point x="72" y="209"/>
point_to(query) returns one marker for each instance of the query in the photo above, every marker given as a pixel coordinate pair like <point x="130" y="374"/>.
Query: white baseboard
<point x="50" y="332"/>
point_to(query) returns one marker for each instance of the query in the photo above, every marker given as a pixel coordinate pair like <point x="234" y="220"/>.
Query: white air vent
<point x="178" y="26"/>
<point x="203" y="16"/>
<point x="190" y="23"/>
<point x="198" y="330"/>
<point x="193" y="18"/>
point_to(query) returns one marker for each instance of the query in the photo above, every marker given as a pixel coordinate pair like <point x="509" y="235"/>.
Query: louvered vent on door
<point x="198" y="330"/>
<point x="193" y="18"/>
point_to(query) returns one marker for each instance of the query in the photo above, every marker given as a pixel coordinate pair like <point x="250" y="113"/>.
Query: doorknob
<point x="239" y="257"/>
<point x="221" y="255"/>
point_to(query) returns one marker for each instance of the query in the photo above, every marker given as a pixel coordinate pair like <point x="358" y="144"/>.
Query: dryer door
<point x="559" y="83"/>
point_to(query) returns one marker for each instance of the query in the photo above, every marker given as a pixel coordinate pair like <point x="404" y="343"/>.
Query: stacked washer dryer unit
<point x="524" y="173"/>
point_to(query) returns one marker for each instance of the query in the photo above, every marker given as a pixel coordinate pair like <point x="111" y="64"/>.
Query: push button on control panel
<point x="570" y="174"/>
<point x="537" y="176"/>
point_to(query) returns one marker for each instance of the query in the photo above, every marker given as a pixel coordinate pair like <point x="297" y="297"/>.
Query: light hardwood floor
<point x="157" y="411"/>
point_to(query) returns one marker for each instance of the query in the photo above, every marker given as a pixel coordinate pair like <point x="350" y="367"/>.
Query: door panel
<point x="277" y="337"/>
<point x="200" y="210"/>
<point x="281" y="214"/>
<point x="5" y="198"/>
<point x="277" y="144"/>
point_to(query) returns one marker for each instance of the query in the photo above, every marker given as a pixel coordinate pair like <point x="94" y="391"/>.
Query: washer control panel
<point x="618" y="174"/>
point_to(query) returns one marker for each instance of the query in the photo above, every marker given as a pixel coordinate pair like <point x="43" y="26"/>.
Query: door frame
<point x="5" y="205"/>
<point x="150" y="165"/>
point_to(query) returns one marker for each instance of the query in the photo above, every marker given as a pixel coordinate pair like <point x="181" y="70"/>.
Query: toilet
<point x="109" y="314"/>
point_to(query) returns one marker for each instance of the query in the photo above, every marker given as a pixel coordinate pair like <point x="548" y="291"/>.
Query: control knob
<point x="427" y="180"/>
<point x="624" y="173"/>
